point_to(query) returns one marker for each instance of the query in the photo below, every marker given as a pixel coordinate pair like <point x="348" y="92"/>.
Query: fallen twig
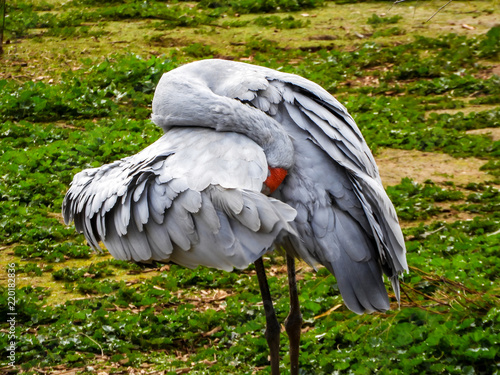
<point x="95" y="342"/>
<point x="439" y="10"/>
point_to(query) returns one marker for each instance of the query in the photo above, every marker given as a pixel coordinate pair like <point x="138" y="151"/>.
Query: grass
<point x="76" y="83"/>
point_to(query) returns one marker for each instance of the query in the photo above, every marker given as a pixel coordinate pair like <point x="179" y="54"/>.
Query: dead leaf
<point x="209" y="363"/>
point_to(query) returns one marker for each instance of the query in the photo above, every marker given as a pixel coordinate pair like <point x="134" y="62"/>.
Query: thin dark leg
<point x="272" y="325"/>
<point x="293" y="322"/>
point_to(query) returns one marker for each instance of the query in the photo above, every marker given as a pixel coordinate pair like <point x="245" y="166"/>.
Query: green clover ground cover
<point x="86" y="311"/>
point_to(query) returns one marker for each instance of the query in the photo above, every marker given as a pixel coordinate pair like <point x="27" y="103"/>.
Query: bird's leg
<point x="293" y="322"/>
<point x="272" y="325"/>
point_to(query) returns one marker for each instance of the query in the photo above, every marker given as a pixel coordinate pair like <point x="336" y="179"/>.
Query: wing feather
<point x="159" y="240"/>
<point x="249" y="215"/>
<point x="157" y="202"/>
<point x="180" y="227"/>
<point x="141" y="207"/>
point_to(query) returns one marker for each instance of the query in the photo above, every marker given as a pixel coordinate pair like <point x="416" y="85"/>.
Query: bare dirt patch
<point x="488" y="70"/>
<point x="469" y="109"/>
<point x="421" y="166"/>
<point x="493" y="133"/>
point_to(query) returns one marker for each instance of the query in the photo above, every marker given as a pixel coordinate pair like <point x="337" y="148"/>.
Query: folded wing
<point x="349" y="224"/>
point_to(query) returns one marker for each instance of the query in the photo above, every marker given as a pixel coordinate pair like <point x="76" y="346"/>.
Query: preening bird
<point x="251" y="159"/>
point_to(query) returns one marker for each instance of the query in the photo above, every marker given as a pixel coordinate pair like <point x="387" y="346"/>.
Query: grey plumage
<point x="162" y="204"/>
<point x="194" y="196"/>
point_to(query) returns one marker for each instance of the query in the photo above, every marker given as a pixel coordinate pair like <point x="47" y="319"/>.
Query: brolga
<point x="251" y="159"/>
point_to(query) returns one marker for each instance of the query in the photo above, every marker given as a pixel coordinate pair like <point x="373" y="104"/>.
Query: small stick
<point x="439" y="10"/>
<point x="95" y="342"/>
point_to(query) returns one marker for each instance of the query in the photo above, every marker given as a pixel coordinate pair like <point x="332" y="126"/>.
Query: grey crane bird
<point x="212" y="190"/>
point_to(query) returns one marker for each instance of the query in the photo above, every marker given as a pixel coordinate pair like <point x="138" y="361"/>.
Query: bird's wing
<point x="354" y="231"/>
<point x="192" y="197"/>
<point x="351" y="221"/>
<point x="329" y="126"/>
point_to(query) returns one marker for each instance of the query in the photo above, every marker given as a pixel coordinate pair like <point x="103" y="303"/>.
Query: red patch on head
<point x="275" y="178"/>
